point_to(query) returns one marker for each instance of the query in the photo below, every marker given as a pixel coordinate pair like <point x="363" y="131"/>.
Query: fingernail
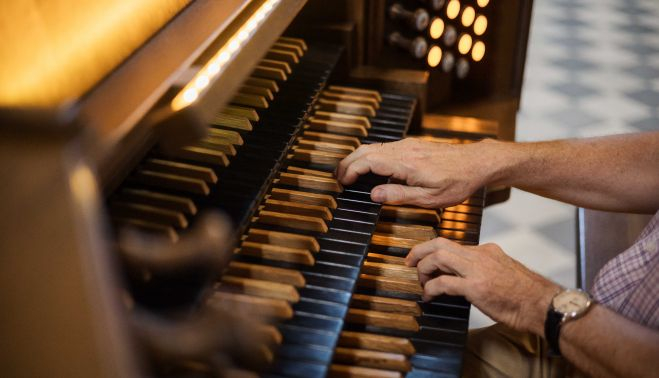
<point x="377" y="195"/>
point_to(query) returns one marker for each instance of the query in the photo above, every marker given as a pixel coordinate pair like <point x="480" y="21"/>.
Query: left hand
<point x="498" y="285"/>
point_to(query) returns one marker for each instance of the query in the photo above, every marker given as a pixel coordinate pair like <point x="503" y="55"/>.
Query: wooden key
<point x="461" y="217"/>
<point x="248" y="113"/>
<point x="325" y="146"/>
<point x="269" y="73"/>
<point x="376" y="342"/>
<point x="246" y="99"/>
<point x="452" y="234"/>
<point x="282" y="55"/>
<point x="382" y="319"/>
<point x="349" y="118"/>
<point x="266" y="273"/>
<point x="376" y="257"/>
<point x="251" y="305"/>
<point x="151" y="227"/>
<point x="392" y="241"/>
<point x="181" y="169"/>
<point x="354" y="98"/>
<point x="278" y="253"/>
<point x="170" y="181"/>
<point x="283" y="239"/>
<point x="411" y="213"/>
<point x="345" y="107"/>
<point x="390" y="270"/>
<point x="289" y="207"/>
<point x="259" y="288"/>
<point x="459" y="226"/>
<point x="337" y="127"/>
<point x="231" y="136"/>
<point x="303" y="197"/>
<point x="218" y="144"/>
<point x="288" y="48"/>
<point x="167" y="201"/>
<point x="408" y="231"/>
<point x="345" y="371"/>
<point x="307" y="171"/>
<point x="466" y="209"/>
<point x="276" y="64"/>
<point x="317" y="157"/>
<point x="232" y="121"/>
<point x="310" y="182"/>
<point x="260" y="91"/>
<point x="294" y="41"/>
<point x="372" y="359"/>
<point x="271" y="85"/>
<point x="148" y="213"/>
<point x="300" y="222"/>
<point x="385" y="304"/>
<point x="201" y="155"/>
<point x="364" y="92"/>
<point x="326" y="137"/>
<point x="390" y="284"/>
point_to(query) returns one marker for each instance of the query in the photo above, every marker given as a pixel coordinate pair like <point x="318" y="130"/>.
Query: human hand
<point x="436" y="174"/>
<point x="498" y="285"/>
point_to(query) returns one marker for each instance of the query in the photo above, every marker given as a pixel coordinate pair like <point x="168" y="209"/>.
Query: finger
<point x="348" y="160"/>
<point x="396" y="194"/>
<point x="430" y="266"/>
<point x="421" y="250"/>
<point x="444" y="284"/>
<point x="375" y="161"/>
<point x="442" y="260"/>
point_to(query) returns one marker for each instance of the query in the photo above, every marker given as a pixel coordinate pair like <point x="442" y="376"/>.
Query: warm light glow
<point x="436" y="28"/>
<point x="190" y="93"/>
<point x="434" y="56"/>
<point x="464" y="45"/>
<point x="480" y="25"/>
<point x="83" y="184"/>
<point x="478" y="51"/>
<point x="482" y="3"/>
<point x="468" y="16"/>
<point x="453" y="9"/>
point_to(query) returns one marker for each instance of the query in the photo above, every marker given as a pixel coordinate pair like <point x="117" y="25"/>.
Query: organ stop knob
<point x="417" y="47"/>
<point x="417" y="20"/>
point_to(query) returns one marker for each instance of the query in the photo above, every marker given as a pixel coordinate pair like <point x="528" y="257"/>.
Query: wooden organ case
<point x="169" y="199"/>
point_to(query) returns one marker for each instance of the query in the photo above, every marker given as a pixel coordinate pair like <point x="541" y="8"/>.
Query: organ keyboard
<point x="214" y="240"/>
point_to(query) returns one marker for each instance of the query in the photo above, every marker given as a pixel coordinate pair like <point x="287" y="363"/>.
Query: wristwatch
<point x="567" y="305"/>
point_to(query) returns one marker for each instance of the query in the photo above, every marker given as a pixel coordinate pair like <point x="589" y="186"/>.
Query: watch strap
<point x="553" y="329"/>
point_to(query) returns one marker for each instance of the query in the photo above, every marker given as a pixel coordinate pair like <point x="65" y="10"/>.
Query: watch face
<point x="571" y="302"/>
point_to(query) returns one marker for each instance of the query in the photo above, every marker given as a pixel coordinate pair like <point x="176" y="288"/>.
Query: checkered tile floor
<point x="592" y="69"/>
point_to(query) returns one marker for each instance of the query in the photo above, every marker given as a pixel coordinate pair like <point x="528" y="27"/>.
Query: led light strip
<point x="218" y="63"/>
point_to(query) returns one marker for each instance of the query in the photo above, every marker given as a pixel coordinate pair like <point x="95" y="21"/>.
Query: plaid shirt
<point x="629" y="283"/>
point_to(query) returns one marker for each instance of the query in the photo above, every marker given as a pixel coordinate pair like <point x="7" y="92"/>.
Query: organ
<point x="170" y="207"/>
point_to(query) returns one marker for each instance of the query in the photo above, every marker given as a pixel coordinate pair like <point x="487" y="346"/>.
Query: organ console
<point x="169" y="201"/>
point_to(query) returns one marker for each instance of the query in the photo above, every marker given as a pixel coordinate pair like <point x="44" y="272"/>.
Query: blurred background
<point x="592" y="69"/>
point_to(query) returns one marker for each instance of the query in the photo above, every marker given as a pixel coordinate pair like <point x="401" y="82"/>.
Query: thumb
<point x="396" y="194"/>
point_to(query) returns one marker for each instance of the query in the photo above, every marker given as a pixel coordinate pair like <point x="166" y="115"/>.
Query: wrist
<point x="538" y="304"/>
<point x="502" y="161"/>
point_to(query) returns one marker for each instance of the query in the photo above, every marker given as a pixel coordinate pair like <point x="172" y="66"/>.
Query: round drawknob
<point x="448" y="62"/>
<point x="418" y="46"/>
<point x="417" y="20"/>
<point x="450" y="35"/>
<point x="462" y="68"/>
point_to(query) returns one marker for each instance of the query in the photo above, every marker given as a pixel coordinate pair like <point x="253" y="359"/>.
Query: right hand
<point x="435" y="174"/>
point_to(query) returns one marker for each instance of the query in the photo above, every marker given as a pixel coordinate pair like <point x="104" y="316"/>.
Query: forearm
<point x="603" y="343"/>
<point x="617" y="173"/>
